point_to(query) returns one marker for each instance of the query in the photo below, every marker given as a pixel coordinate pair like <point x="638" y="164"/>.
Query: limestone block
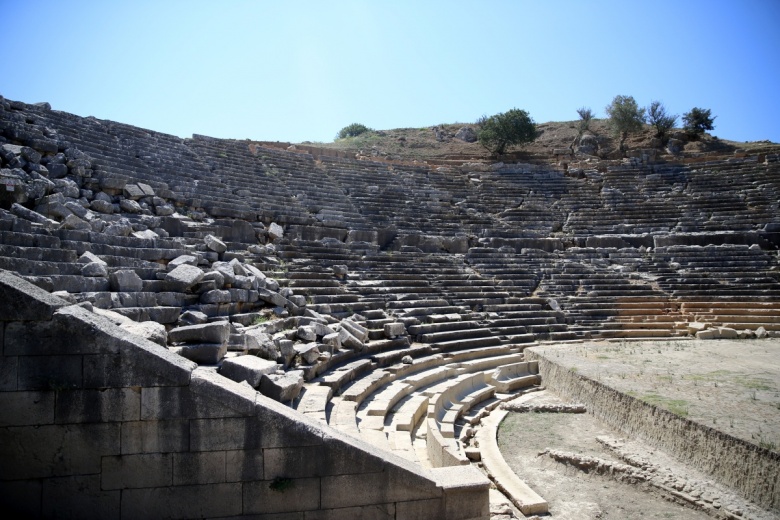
<point x="349" y="341"/>
<point x="101" y="206"/>
<point x="204" y="353"/>
<point x="309" y="352"/>
<point x="298" y="300"/>
<point x="216" y="332"/>
<point x="192" y="318"/>
<point x="306" y="333"/>
<point x="761" y="333"/>
<point x="30" y="452"/>
<point x="26" y="408"/>
<point x="226" y="433"/>
<point x="133" y="192"/>
<point x="89" y="258"/>
<point x="75" y="223"/>
<point x="148" y="191"/>
<point x="123" y="228"/>
<point x="151" y="330"/>
<point x="78" y="210"/>
<point x="275" y="231"/>
<point x="81" y="495"/>
<point x="393" y="330"/>
<point x="247" y="368"/>
<point x="49" y="372"/>
<point x="708" y="334"/>
<point x="272" y="297"/>
<point x="303" y="494"/>
<point x="727" y="333"/>
<point x="94" y="269"/>
<point x="216" y="277"/>
<point x="286" y="349"/>
<point x="39" y="304"/>
<point x="243" y="465"/>
<point x="200" y="501"/>
<point x="357" y="330"/>
<point x="340" y="270"/>
<point x="395" y="484"/>
<point x="226" y="270"/>
<point x="164" y="210"/>
<point x="98" y="405"/>
<point x="152" y="436"/>
<point x="126" y="280"/>
<point x="215" y="244"/>
<point x="216" y="296"/>
<point x="137" y="471"/>
<point x="199" y="468"/>
<point x="282" y="387"/>
<point x="184" y="276"/>
<point x="146" y="234"/>
<point x="130" y="206"/>
<point x="694" y="327"/>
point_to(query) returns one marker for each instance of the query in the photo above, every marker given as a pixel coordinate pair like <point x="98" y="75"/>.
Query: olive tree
<point x="660" y="119"/>
<point x="697" y="121"/>
<point x="625" y="117"/>
<point x="499" y="131"/>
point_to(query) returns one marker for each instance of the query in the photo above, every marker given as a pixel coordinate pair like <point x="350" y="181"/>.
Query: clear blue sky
<point x="295" y="71"/>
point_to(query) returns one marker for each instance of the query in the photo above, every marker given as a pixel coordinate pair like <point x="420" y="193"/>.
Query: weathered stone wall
<point x="752" y="471"/>
<point x="95" y="423"/>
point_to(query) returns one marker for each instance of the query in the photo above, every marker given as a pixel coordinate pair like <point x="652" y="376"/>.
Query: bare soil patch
<point x="732" y="386"/>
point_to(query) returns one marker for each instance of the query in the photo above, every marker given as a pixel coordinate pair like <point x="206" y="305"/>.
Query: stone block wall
<point x="95" y="423"/>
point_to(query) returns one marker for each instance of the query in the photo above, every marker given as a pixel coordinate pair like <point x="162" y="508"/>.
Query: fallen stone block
<point x="360" y="332"/>
<point x="192" y="318"/>
<point x="216" y="332"/>
<point x="184" y="277"/>
<point x="102" y="206"/>
<point x="204" y="353"/>
<point x="349" y="341"/>
<point x="707" y="334"/>
<point x="306" y="333"/>
<point x="275" y="231"/>
<point x="150" y="330"/>
<point x="216" y="296"/>
<point x="694" y="327"/>
<point x="126" y="280"/>
<point x="332" y="340"/>
<point x="94" y="269"/>
<point x="761" y="333"/>
<point x="309" y="352"/>
<point x="90" y="258"/>
<point x="393" y="330"/>
<point x="215" y="244"/>
<point x="727" y="333"/>
<point x="286" y="350"/>
<point x="282" y="387"/>
<point x="75" y="223"/>
<point x="247" y="368"/>
<point x="130" y="206"/>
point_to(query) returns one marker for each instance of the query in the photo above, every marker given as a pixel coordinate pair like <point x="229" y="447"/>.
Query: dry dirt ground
<point x="730" y="385"/>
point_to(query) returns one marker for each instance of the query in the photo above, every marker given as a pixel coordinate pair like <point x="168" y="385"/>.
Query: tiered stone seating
<point x="475" y="263"/>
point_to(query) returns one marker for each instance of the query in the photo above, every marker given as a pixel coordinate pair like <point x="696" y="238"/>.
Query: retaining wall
<point x="96" y="423"/>
<point x="750" y="470"/>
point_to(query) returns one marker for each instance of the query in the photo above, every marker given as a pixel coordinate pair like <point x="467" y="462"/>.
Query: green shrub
<point x="353" y="130"/>
<point x="586" y="116"/>
<point x="660" y="119"/>
<point x="498" y="132"/>
<point x="697" y="121"/>
<point x="625" y="117"/>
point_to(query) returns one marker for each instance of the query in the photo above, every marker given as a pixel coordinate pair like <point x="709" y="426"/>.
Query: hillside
<point x="439" y="143"/>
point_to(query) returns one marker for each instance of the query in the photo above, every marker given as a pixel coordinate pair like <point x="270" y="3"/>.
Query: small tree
<point x="498" y="132"/>
<point x="697" y="121"/>
<point x="625" y="117"/>
<point x="660" y="119"/>
<point x="586" y="116"/>
<point x="353" y="130"/>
